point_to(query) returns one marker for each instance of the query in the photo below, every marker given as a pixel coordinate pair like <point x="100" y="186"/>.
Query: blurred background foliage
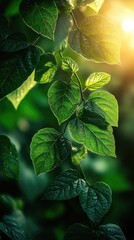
<point x="46" y="219"/>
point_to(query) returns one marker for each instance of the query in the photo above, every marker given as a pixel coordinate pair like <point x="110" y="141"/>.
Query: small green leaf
<point x="14" y="42"/>
<point x="96" y="200"/>
<point x="78" y="231"/>
<point x="96" y="140"/>
<point x="111" y="232"/>
<point x="66" y="5"/>
<point x="78" y="154"/>
<point x="46" y="69"/>
<point x="96" y="5"/>
<point x="18" y="95"/>
<point x="69" y="65"/>
<point x="67" y="185"/>
<point x="63" y="99"/>
<point x="107" y="103"/>
<point x="3" y="27"/>
<point x="12" y="226"/>
<point x="16" y="67"/>
<point x="97" y="40"/>
<point x="48" y="150"/>
<point x="8" y="158"/>
<point x="97" y="80"/>
<point x="40" y="15"/>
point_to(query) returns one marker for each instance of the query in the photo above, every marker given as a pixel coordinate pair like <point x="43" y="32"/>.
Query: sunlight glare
<point x="128" y="25"/>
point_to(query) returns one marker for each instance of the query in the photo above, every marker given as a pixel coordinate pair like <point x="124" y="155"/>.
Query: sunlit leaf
<point x="83" y="2"/>
<point x="97" y="40"/>
<point x="108" y="106"/>
<point x="40" y="15"/>
<point x="96" y="5"/>
<point x="63" y="99"/>
<point x="8" y="158"/>
<point x="48" y="150"/>
<point x="46" y="69"/>
<point x="17" y="95"/>
<point x="67" y="185"/>
<point x="94" y="139"/>
<point x="69" y="65"/>
<point x="96" y="201"/>
<point x="97" y="80"/>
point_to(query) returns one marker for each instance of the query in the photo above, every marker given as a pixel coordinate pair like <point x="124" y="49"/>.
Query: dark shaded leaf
<point x="8" y="158"/>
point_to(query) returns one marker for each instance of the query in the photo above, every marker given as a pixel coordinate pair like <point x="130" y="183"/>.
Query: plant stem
<point x="84" y="89"/>
<point x="36" y="40"/>
<point x="79" y="82"/>
<point x="75" y="22"/>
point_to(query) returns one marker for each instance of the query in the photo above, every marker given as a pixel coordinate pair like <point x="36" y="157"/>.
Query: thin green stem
<point x="84" y="89"/>
<point x="79" y="82"/>
<point x="74" y="20"/>
<point x="35" y="40"/>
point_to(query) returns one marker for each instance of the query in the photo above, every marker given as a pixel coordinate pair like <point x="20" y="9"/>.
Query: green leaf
<point x="16" y="67"/>
<point x="46" y="69"/>
<point x="97" y="40"/>
<point x="78" y="231"/>
<point x="90" y="113"/>
<point x="69" y="65"/>
<point x="18" y="95"/>
<point x="107" y="103"/>
<point x="96" y="200"/>
<point x="8" y="158"/>
<point x="14" y="42"/>
<point x="12" y="226"/>
<point x="40" y="15"/>
<point x="97" y="80"/>
<point x="3" y="27"/>
<point x="7" y="204"/>
<point x="63" y="99"/>
<point x="96" y="5"/>
<point x="67" y="185"/>
<point x="96" y="140"/>
<point x="78" y="154"/>
<point x="83" y="2"/>
<point x="48" y="150"/>
<point x="111" y="232"/>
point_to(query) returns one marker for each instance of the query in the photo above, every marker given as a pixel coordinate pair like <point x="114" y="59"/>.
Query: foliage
<point x="89" y="119"/>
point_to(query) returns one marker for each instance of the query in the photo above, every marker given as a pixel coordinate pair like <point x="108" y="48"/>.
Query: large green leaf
<point x="78" y="231"/>
<point x="48" y="150"/>
<point x="14" y="42"/>
<point x="16" y="67"/>
<point x="97" y="80"/>
<point x="13" y="226"/>
<point x="107" y="103"/>
<point x="96" y="200"/>
<point x="95" y="139"/>
<point x="46" y="69"/>
<point x="111" y="232"/>
<point x="17" y="95"/>
<point x="40" y="15"/>
<point x="97" y="39"/>
<point x="3" y="27"/>
<point x="67" y="185"/>
<point x="8" y="158"/>
<point x="63" y="99"/>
